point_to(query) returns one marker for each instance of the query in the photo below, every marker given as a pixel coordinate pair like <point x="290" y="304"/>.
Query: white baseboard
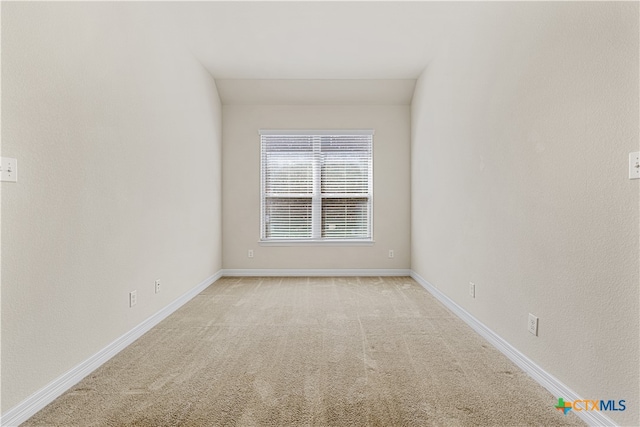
<point x="542" y="377"/>
<point x="51" y="391"/>
<point x="270" y="272"/>
<point x="28" y="407"/>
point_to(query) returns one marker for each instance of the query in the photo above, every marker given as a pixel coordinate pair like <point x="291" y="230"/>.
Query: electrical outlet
<point x="532" y="326"/>
<point x="634" y="165"/>
<point x="8" y="169"/>
<point x="157" y="288"/>
<point x="133" y="298"/>
<point x="391" y="254"/>
<point x="250" y="253"/>
<point x="472" y="289"/>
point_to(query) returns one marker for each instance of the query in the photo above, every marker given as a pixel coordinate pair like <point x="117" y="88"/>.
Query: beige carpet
<point x="308" y="351"/>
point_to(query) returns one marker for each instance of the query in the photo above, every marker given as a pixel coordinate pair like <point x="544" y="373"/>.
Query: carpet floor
<point x="354" y="351"/>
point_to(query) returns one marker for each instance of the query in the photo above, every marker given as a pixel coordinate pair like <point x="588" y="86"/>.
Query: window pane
<point x="289" y="173"/>
<point x="345" y="218"/>
<point x="346" y="162"/>
<point x="345" y="173"/>
<point x="287" y="218"/>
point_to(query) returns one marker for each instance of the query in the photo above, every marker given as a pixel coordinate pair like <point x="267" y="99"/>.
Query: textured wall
<point x="116" y="130"/>
<point x="241" y="185"/>
<point x="521" y="130"/>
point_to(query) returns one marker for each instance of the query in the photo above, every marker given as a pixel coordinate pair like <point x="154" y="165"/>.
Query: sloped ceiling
<point x="329" y="52"/>
<point x="313" y="40"/>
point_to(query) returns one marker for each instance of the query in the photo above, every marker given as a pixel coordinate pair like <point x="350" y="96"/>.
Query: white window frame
<point x="316" y="197"/>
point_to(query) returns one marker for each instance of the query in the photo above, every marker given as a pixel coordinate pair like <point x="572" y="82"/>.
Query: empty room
<point x="235" y="213"/>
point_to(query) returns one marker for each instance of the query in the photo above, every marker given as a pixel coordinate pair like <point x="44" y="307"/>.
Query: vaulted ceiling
<point x="328" y="52"/>
<point x="314" y="40"/>
<point x="318" y="52"/>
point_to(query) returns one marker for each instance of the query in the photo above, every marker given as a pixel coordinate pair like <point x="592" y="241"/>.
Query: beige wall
<point x="521" y="131"/>
<point x="521" y="128"/>
<point x="117" y="134"/>
<point x="241" y="186"/>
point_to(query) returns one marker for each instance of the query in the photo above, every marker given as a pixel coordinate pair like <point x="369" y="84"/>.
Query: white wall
<point x="521" y="128"/>
<point x="241" y="186"/>
<point x="116" y="130"/>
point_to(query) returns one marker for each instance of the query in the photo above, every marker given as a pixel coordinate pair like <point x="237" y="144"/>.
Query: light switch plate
<point x="532" y="325"/>
<point x="634" y="165"/>
<point x="8" y="169"/>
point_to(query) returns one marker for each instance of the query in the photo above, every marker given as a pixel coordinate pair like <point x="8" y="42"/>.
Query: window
<point x="316" y="186"/>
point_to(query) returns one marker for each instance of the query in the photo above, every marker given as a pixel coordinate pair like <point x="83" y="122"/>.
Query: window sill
<point x="289" y="242"/>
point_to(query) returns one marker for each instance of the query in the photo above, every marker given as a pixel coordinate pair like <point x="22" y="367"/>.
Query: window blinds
<point x="316" y="185"/>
